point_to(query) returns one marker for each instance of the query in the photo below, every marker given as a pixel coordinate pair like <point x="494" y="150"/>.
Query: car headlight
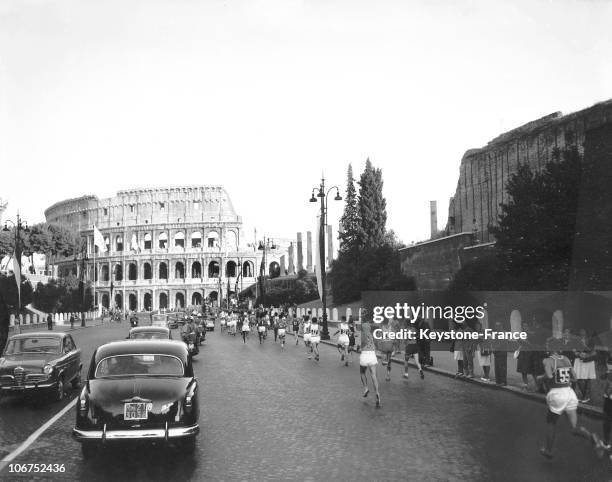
<point x="47" y="369"/>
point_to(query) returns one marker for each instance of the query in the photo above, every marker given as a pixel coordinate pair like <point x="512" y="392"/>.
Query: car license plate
<point x="135" y="411"/>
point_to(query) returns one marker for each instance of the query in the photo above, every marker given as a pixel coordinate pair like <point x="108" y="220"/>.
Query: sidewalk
<point x="56" y="327"/>
<point x="445" y="365"/>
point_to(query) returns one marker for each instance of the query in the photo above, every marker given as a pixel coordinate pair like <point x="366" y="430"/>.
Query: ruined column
<point x="291" y="268"/>
<point x="283" y="271"/>
<point x="300" y="254"/>
<point x="308" y="251"/>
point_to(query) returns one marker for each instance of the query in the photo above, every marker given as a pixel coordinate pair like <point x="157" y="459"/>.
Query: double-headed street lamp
<point x="323" y="196"/>
<point x="265" y="246"/>
<point x="17" y="226"/>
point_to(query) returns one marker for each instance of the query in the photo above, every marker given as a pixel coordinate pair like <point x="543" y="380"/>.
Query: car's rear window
<point x="34" y="345"/>
<point x="149" y="335"/>
<point x="139" y="365"/>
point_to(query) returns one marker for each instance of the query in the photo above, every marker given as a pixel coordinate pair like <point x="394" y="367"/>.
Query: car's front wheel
<point x="188" y="445"/>
<point x="76" y="381"/>
<point x="88" y="450"/>
<point x="59" y="390"/>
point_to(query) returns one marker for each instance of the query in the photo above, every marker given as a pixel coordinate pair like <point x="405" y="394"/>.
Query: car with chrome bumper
<point x="40" y="363"/>
<point x="150" y="333"/>
<point x="138" y="391"/>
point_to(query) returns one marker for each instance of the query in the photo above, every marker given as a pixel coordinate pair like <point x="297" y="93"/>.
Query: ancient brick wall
<point x="484" y="172"/>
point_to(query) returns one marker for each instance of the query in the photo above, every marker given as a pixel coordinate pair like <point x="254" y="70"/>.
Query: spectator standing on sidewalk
<point x="72" y="321"/>
<point x="524" y="364"/>
<point x="584" y="366"/>
<point x="49" y="321"/>
<point x="456" y="349"/>
<point x="483" y="351"/>
<point x="500" y="357"/>
<point x="469" y="349"/>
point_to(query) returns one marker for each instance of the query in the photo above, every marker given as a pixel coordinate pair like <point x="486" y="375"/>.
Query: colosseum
<point x="165" y="248"/>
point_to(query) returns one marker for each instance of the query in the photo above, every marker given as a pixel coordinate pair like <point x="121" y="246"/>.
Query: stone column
<point x="291" y="268"/>
<point x="308" y="251"/>
<point x="300" y="253"/>
<point x="283" y="271"/>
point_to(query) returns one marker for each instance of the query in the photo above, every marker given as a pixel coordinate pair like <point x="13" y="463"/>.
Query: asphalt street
<point x="273" y="415"/>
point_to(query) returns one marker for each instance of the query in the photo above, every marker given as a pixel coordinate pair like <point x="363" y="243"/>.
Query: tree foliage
<point x="537" y="231"/>
<point x="369" y="258"/>
<point x="349" y="222"/>
<point x="64" y="295"/>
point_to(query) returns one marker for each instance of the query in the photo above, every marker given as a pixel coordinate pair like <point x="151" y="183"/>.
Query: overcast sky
<point x="261" y="96"/>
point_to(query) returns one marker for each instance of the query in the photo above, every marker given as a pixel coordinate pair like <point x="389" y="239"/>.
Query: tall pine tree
<point x="372" y="208"/>
<point x="349" y="222"/>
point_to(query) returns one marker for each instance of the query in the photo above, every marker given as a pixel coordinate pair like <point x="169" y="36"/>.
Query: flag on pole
<point x="134" y="243"/>
<point x="318" y="244"/>
<point x="99" y="240"/>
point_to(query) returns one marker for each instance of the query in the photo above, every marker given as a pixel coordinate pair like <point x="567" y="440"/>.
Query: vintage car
<point x="150" y="333"/>
<point x="44" y="362"/>
<point x="138" y="391"/>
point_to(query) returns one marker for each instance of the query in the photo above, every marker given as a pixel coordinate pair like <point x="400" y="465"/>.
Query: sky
<point x="262" y="96"/>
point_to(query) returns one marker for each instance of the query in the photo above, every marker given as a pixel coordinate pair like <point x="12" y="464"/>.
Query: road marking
<point x="32" y="438"/>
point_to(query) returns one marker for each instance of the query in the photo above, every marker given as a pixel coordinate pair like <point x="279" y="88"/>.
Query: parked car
<point x="138" y="391"/>
<point x="150" y="333"/>
<point x="40" y="363"/>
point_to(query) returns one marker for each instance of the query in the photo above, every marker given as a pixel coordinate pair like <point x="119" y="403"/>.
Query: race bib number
<point x="562" y="375"/>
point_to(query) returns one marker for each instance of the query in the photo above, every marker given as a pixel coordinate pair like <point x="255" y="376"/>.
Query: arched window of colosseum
<point x="179" y="300"/>
<point x="105" y="275"/>
<point x="119" y="243"/>
<point x="118" y="272"/>
<point x="105" y="302"/>
<point x="196" y="299"/>
<point x="163" y="240"/>
<point x="196" y="270"/>
<point x="132" y="272"/>
<point x="107" y="242"/>
<point x="163" y="301"/>
<point x="179" y="240"/>
<point x="247" y="269"/>
<point x="148" y="273"/>
<point x="231" y="241"/>
<point x="213" y="269"/>
<point x="213" y="296"/>
<point x="163" y="271"/>
<point x="196" y="239"/>
<point x="179" y="270"/>
<point x="148" y="241"/>
<point x="274" y="270"/>
<point x="230" y="269"/>
<point x="213" y="239"/>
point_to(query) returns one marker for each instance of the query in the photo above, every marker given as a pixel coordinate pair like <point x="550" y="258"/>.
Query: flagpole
<point x="95" y="273"/>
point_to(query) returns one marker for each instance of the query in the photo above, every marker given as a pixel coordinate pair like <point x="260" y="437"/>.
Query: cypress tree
<point x="372" y="208"/>
<point x="349" y="222"/>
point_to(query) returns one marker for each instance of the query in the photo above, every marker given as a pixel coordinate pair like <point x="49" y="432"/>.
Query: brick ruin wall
<point x="484" y="172"/>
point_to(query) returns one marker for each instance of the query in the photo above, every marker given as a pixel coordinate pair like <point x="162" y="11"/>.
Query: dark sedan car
<point x="138" y="391"/>
<point x="44" y="362"/>
<point x="150" y="333"/>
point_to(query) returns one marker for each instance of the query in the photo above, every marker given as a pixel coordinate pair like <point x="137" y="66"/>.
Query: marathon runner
<point x="343" y="340"/>
<point x="368" y="361"/>
<point x="282" y="330"/>
<point x="315" y="338"/>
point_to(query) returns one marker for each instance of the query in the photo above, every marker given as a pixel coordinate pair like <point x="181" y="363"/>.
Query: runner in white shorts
<point x="368" y="361"/>
<point x="560" y="398"/>
<point x="343" y="340"/>
<point x="282" y="331"/>
<point x="306" y="332"/>
<point x="315" y="338"/>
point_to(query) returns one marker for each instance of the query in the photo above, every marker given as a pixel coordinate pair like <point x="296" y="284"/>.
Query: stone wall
<point x="484" y="172"/>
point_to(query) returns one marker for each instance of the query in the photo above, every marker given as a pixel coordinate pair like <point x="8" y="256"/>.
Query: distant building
<point x="166" y="248"/>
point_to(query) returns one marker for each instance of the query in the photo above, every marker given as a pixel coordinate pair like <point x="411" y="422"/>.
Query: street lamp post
<point x="18" y="226"/>
<point x="323" y="196"/>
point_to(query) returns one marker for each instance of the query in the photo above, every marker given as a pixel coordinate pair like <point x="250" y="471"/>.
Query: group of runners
<point x="558" y="371"/>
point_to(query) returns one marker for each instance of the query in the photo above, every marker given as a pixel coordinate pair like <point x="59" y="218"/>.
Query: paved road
<point x="268" y="415"/>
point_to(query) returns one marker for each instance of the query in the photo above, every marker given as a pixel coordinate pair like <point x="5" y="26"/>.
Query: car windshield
<point x="33" y="345"/>
<point x="149" y="335"/>
<point x="139" y="365"/>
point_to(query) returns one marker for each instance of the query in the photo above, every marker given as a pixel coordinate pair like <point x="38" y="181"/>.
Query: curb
<point x="589" y="411"/>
